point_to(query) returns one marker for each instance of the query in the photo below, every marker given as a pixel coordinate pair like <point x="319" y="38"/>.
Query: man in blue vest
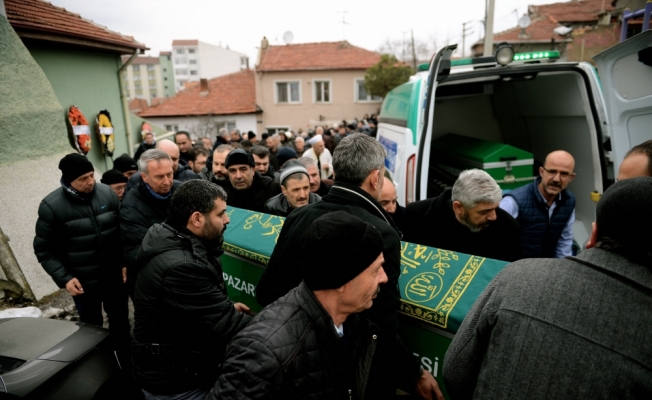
<point x="545" y="209"/>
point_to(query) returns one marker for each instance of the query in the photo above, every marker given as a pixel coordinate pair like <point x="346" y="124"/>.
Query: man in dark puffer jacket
<point x="307" y="345"/>
<point x="145" y="206"/>
<point x="183" y="316"/>
<point x="78" y="244"/>
<point x="295" y="187"/>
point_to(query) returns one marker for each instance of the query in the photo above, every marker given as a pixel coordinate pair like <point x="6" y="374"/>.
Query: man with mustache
<point x="295" y="188"/>
<point x="465" y="219"/>
<point x="183" y="316"/>
<point x="249" y="189"/>
<point x="545" y="209"/>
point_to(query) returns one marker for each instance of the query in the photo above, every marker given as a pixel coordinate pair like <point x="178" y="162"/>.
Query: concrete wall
<point x="216" y="61"/>
<point x="33" y="138"/>
<point x="198" y="125"/>
<point x="306" y="114"/>
<point x="167" y="71"/>
<point x="89" y="80"/>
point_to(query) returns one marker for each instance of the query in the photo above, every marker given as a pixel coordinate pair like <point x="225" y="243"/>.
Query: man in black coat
<point x="216" y="171"/>
<point x="78" y="244"/>
<point x="181" y="173"/>
<point x="183" y="316"/>
<point x="147" y="204"/>
<point x="466" y="219"/>
<point x="359" y="166"/>
<point x="249" y="189"/>
<point x="308" y="345"/>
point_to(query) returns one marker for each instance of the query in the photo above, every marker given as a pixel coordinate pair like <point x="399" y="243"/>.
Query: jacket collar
<point x="320" y="317"/>
<point x="346" y="193"/>
<point x="75" y="194"/>
<point x="613" y="263"/>
<point x="199" y="247"/>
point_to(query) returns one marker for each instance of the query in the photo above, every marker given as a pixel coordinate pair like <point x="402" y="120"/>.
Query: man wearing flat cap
<point x="116" y="180"/>
<point x="310" y="344"/>
<point x="572" y="328"/>
<point x="295" y="187"/>
<point x="78" y="244"/>
<point x="249" y="189"/>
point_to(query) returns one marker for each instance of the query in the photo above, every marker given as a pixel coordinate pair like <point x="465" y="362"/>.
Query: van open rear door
<point x="626" y="73"/>
<point x="439" y="70"/>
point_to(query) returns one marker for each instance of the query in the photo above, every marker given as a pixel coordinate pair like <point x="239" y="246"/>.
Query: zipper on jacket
<point x="350" y="394"/>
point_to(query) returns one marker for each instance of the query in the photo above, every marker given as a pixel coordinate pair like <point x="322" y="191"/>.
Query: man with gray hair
<point x="317" y="185"/>
<point x="466" y="219"/>
<point x="145" y="205"/>
<point x="295" y="190"/>
<point x="359" y="164"/>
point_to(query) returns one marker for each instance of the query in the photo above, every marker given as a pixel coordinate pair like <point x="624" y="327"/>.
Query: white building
<point x="147" y="78"/>
<point x="194" y="60"/>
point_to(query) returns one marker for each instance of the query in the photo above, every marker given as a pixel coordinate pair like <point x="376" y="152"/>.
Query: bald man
<point x="637" y="162"/>
<point x="545" y="209"/>
<point x="388" y="200"/>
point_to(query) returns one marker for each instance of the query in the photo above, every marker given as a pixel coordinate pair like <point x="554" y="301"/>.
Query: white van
<point x="533" y="104"/>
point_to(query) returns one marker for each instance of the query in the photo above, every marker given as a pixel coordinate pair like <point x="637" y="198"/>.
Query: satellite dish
<point x="524" y="21"/>
<point x="288" y="37"/>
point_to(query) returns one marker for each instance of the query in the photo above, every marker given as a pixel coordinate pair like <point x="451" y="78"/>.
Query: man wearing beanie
<point x="572" y="328"/>
<point x="295" y="187"/>
<point x="249" y="189"/>
<point x="78" y="244"/>
<point x="359" y="163"/>
<point x="126" y="165"/>
<point x="116" y="180"/>
<point x="310" y="344"/>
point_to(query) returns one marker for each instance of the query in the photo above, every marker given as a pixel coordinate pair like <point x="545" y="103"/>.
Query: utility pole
<point x="465" y="32"/>
<point x="414" y="53"/>
<point x="489" y="29"/>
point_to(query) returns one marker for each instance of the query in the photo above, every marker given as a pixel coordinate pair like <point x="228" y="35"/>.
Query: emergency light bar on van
<point x="490" y="61"/>
<point x="537" y="55"/>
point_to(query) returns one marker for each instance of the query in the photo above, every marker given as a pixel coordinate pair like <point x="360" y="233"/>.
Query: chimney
<point x="203" y="87"/>
<point x="264" y="44"/>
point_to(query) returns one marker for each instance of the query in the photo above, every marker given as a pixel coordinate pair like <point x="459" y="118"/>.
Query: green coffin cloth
<point x="437" y="286"/>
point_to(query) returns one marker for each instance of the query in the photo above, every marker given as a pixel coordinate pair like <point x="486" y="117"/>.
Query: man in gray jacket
<point x="573" y="328"/>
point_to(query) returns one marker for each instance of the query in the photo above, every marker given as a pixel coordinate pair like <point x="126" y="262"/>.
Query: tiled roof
<point x="193" y="42"/>
<point x="545" y="18"/>
<point x="229" y="94"/>
<point x="165" y="53"/>
<point x="316" y="56"/>
<point x="573" y="11"/>
<point x="137" y="105"/>
<point x="146" y="60"/>
<point x="41" y="17"/>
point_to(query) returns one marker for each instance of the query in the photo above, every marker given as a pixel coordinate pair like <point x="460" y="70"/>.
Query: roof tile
<point x="316" y="56"/>
<point x="229" y="94"/>
<point x="41" y="16"/>
<point x="192" y="42"/>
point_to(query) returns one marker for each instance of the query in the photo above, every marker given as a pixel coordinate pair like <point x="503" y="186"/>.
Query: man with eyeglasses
<point x="545" y="209"/>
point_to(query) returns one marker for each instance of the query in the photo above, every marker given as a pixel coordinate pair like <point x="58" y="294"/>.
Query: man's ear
<point x="196" y="219"/>
<point x="593" y="239"/>
<point x="458" y="208"/>
<point x="143" y="177"/>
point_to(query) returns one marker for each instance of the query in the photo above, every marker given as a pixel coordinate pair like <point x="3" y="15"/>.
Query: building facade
<point x="304" y="85"/>
<point x="194" y="60"/>
<point x="149" y="78"/>
<point x="204" y="107"/>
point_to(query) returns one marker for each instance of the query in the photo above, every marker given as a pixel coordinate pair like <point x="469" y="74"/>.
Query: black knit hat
<point x="624" y="213"/>
<point x="125" y="163"/>
<point x="73" y="166"/>
<point x="239" y="156"/>
<point x="284" y="154"/>
<point x="353" y="245"/>
<point x="113" y="176"/>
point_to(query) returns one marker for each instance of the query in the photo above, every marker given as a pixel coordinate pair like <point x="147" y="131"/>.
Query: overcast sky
<point x="241" y="24"/>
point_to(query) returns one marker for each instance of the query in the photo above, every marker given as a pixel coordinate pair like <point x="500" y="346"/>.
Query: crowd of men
<point x="153" y="228"/>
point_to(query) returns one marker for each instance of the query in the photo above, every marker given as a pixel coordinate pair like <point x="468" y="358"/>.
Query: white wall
<point x="244" y="122"/>
<point x="216" y="61"/>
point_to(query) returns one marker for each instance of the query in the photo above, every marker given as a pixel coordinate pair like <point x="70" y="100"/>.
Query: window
<point x="322" y="91"/>
<point x="192" y="51"/>
<point x="229" y="125"/>
<point x="361" y="94"/>
<point x="181" y="60"/>
<point x="165" y="70"/>
<point x="288" y="92"/>
<point x="152" y="87"/>
<point x="135" y="67"/>
<point x="276" y="129"/>
<point x="139" y="92"/>
<point x="127" y="93"/>
<point x="192" y="62"/>
<point x="165" y="78"/>
<point x="151" y="78"/>
<point x="166" y="86"/>
<point x="193" y="72"/>
<point x="181" y="71"/>
<point x="171" y="128"/>
<point x="182" y="83"/>
<point x="125" y="76"/>
<point x="152" y="95"/>
<point x="138" y="86"/>
<point x="180" y="51"/>
<point x="136" y="77"/>
<point x="150" y="67"/>
<point x="244" y="62"/>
